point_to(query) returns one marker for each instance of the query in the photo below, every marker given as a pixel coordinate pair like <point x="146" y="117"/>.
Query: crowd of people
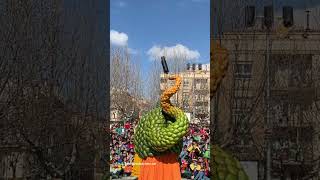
<point x="194" y="157"/>
<point x="121" y="148"/>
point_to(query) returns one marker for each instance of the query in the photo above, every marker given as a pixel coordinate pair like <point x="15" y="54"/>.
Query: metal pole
<point x="216" y="110"/>
<point x="194" y="98"/>
<point x="269" y="123"/>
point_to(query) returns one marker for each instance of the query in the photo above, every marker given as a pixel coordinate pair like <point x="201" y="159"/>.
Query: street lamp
<point x="268" y="22"/>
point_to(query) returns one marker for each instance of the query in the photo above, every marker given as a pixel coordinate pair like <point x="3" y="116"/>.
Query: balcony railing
<point x="306" y="133"/>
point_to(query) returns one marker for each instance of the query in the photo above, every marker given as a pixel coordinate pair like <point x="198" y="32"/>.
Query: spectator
<point x="127" y="125"/>
<point x="195" y="168"/>
<point x="185" y="170"/>
<point x="194" y="157"/>
<point x="194" y="150"/>
<point x="184" y="153"/>
<point x="201" y="173"/>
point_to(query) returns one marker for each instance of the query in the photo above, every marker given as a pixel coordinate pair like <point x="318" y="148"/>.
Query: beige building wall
<point x="303" y="120"/>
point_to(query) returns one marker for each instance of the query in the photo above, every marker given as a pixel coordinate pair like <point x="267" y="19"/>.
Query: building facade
<point x="293" y="101"/>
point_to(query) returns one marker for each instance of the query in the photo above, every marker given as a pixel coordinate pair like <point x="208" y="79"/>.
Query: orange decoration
<point x="162" y="167"/>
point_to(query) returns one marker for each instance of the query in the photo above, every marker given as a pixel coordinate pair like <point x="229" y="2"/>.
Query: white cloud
<point x="118" y="38"/>
<point x="172" y="52"/>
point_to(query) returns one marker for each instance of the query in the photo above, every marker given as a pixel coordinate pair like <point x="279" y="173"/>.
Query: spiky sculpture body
<point x="161" y="129"/>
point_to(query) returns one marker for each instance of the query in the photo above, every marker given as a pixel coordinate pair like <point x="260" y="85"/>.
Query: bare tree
<point x="153" y="87"/>
<point x="126" y="82"/>
<point x="48" y="90"/>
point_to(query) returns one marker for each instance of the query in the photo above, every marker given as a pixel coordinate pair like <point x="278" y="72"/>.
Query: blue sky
<point x="148" y="23"/>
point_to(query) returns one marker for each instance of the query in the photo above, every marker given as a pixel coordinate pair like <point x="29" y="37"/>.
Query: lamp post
<point x="193" y="92"/>
<point x="269" y="128"/>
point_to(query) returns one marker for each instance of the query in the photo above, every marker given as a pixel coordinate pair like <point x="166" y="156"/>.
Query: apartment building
<point x="294" y="61"/>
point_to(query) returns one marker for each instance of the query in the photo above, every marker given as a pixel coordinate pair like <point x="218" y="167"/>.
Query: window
<point x="246" y="140"/>
<point x="185" y="96"/>
<point x="243" y="102"/>
<point x="280" y="113"/>
<point x="242" y="84"/>
<point x="243" y="69"/>
<point x="201" y="84"/>
<point x="185" y="83"/>
<point x="291" y="70"/>
<point x="240" y="115"/>
<point x="185" y="100"/>
<point x="200" y="97"/>
<point x="198" y="86"/>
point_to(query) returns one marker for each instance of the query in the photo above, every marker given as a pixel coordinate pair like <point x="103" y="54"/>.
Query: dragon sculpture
<point x="162" y="128"/>
<point x="158" y="138"/>
<point x="158" y="135"/>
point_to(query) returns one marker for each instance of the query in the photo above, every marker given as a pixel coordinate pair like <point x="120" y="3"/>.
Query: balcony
<point x="303" y="95"/>
<point x="202" y="104"/>
<point x="306" y="132"/>
<point x="290" y="157"/>
<point x="202" y="88"/>
<point x="245" y="152"/>
<point x="301" y="169"/>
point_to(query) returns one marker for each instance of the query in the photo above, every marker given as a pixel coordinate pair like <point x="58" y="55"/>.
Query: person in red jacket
<point x="127" y="125"/>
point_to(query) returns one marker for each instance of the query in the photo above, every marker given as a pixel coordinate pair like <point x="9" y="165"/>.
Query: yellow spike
<point x="165" y="97"/>
<point x="219" y="63"/>
<point x="136" y="166"/>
